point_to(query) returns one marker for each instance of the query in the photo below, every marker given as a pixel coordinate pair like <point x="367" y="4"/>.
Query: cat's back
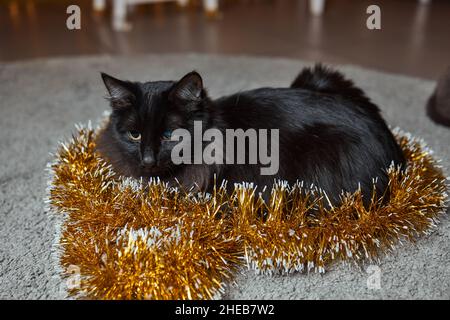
<point x="269" y="107"/>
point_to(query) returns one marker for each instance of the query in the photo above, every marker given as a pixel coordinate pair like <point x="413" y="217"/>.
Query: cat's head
<point x="137" y="139"/>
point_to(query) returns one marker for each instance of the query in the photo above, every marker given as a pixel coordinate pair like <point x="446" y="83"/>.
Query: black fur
<point x="331" y="135"/>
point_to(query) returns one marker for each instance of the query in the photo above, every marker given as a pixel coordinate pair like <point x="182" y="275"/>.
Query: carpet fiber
<point x="41" y="100"/>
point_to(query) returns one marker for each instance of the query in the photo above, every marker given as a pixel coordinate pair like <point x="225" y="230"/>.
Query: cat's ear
<point x="120" y="92"/>
<point x="188" y="89"/>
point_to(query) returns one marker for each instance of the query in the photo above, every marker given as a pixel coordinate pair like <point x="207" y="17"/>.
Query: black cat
<point x="330" y="134"/>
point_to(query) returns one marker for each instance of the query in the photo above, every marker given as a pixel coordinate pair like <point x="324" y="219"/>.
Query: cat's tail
<point x="326" y="80"/>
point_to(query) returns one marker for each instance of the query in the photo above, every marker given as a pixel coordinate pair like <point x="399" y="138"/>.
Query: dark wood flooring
<point x="414" y="40"/>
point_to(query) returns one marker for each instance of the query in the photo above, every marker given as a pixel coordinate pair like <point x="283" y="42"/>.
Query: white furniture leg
<point x="119" y="15"/>
<point x="211" y="6"/>
<point x="182" y="3"/>
<point x="119" y="9"/>
<point x="99" y="5"/>
<point x="317" y="7"/>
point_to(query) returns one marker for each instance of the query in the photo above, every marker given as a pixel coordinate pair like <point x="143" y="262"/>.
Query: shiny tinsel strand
<point x="132" y="239"/>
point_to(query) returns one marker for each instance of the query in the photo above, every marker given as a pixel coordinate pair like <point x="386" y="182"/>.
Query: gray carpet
<point x="41" y="100"/>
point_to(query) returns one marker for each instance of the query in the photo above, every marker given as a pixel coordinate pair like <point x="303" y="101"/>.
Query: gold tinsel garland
<point x="132" y="239"/>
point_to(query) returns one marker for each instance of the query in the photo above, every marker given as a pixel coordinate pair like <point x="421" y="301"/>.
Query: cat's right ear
<point x="120" y="92"/>
<point x="189" y="89"/>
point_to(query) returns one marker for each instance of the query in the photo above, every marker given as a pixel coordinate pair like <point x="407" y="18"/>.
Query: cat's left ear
<point x="120" y="92"/>
<point x="188" y="89"/>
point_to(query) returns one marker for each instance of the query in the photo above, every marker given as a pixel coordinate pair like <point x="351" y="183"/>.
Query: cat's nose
<point x="148" y="161"/>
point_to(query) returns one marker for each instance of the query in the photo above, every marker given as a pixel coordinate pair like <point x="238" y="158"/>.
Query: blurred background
<point x="414" y="39"/>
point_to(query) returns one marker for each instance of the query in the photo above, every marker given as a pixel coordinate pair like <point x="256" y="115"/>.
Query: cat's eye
<point x="134" y="135"/>
<point x="166" y="134"/>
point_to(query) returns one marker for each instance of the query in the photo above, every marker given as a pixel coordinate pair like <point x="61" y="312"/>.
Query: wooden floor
<point x="414" y="40"/>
